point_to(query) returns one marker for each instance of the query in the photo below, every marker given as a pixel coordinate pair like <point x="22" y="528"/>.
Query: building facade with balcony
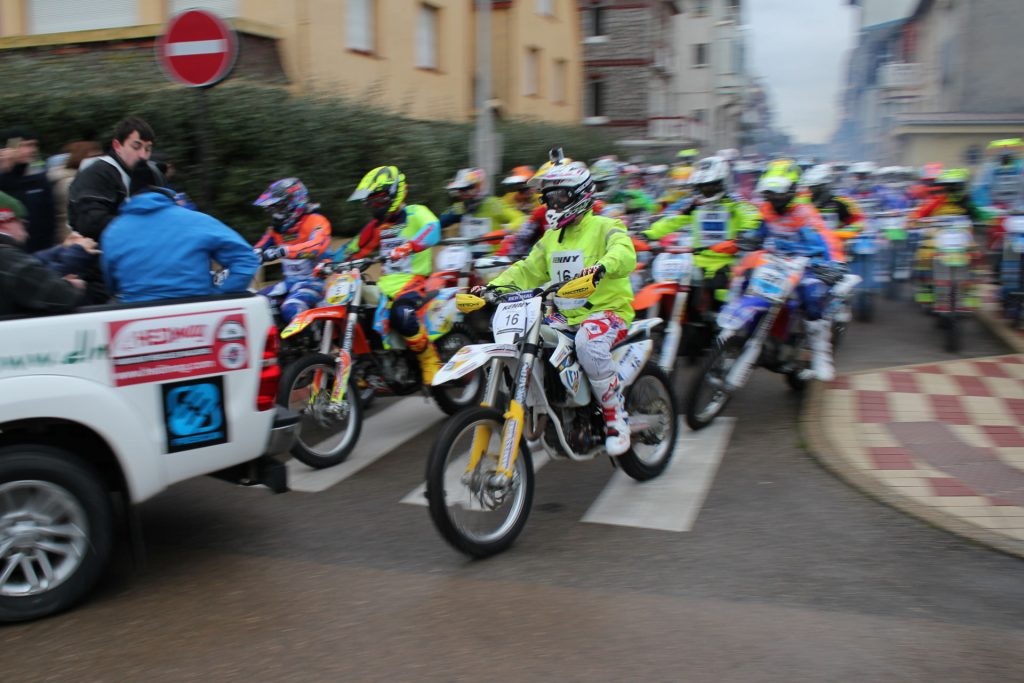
<point x="409" y="56"/>
<point x="712" y="88"/>
<point x="629" y="61"/>
<point x="936" y="84"/>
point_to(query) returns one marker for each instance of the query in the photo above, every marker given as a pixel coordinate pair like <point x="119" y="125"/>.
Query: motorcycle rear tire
<point x="630" y="462"/>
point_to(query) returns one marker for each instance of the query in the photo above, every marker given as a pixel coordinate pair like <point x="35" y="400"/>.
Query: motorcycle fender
<point x="652" y="294"/>
<point x="469" y="358"/>
<point x="738" y="314"/>
<point x="631" y="358"/>
<point x="306" y="318"/>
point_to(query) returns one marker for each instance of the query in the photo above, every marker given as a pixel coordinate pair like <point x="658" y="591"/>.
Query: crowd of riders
<point x="561" y="219"/>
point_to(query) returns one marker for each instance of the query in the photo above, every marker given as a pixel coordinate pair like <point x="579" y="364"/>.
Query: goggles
<point x="558" y="198"/>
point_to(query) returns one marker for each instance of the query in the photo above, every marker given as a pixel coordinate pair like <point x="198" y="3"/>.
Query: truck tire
<point x="56" y="530"/>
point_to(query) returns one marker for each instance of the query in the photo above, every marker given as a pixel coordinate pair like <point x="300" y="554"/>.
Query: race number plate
<point x="770" y="281"/>
<point x="341" y="288"/>
<point x="713" y="226"/>
<point x="672" y="268"/>
<point x="471" y="226"/>
<point x="513" y="318"/>
<point x="953" y="239"/>
<point x="1015" y="224"/>
<point x="454" y="257"/>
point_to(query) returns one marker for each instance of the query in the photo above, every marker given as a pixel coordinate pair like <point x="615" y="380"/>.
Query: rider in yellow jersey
<point x="580" y="242"/>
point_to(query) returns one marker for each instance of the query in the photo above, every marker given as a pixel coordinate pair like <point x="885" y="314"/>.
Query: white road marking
<point x="418" y="496"/>
<point x="381" y="434"/>
<point x="669" y="502"/>
<point x="186" y="48"/>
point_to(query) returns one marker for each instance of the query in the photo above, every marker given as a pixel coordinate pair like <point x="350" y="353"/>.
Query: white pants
<point x="594" y="340"/>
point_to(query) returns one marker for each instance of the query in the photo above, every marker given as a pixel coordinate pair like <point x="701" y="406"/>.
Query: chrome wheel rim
<point x="324" y="429"/>
<point x="44" y="537"/>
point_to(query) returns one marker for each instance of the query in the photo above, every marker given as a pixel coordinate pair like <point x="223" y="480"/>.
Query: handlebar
<point x="361" y="264"/>
<point x="491" y="296"/>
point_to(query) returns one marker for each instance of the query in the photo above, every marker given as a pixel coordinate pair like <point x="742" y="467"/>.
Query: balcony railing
<point x="900" y="76"/>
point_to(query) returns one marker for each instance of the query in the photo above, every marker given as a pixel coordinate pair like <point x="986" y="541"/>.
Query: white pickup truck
<point x="115" y="403"/>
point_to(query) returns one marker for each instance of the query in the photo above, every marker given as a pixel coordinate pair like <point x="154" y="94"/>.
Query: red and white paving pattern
<point x="944" y="435"/>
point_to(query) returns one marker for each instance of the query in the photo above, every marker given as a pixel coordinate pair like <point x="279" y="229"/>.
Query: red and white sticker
<point x="178" y="346"/>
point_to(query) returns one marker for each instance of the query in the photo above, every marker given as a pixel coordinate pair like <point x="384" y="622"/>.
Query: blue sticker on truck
<point x="194" y="414"/>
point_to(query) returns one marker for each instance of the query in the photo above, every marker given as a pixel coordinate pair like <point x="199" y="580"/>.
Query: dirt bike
<point x="951" y="278"/>
<point x="672" y="273"/>
<point x="480" y="475"/>
<point x="865" y="255"/>
<point x="1011" y="270"/>
<point x="326" y="388"/>
<point x="899" y="251"/>
<point x="762" y="325"/>
<point x="457" y="268"/>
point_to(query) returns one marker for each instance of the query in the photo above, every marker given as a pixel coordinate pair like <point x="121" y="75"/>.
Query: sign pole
<point x="203" y="144"/>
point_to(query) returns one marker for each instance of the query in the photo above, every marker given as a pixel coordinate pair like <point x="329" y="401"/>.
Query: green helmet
<point x="383" y="189"/>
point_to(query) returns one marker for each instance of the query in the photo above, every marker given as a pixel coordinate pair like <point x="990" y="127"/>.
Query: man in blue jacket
<point x="155" y="249"/>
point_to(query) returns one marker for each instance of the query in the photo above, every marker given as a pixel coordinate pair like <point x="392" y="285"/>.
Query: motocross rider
<point x="518" y="193"/>
<point x="615" y="200"/>
<point x="298" y="237"/>
<point x="793" y="228"/>
<point x="1003" y="182"/>
<point x="950" y="198"/>
<point x="519" y="244"/>
<point x="839" y="213"/>
<point x="404" y="233"/>
<point x="477" y="213"/>
<point x="714" y="218"/>
<point x="579" y="242"/>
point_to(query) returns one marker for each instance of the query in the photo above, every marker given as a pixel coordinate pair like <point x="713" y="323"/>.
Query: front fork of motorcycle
<point x="673" y="331"/>
<point x="740" y="371"/>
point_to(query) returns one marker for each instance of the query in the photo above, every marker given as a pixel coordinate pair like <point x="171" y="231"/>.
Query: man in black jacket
<point x="23" y="176"/>
<point x="27" y="285"/>
<point x="97" y="191"/>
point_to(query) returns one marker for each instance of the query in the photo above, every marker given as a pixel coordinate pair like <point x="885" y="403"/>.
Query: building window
<point x="700" y="115"/>
<point x="700" y="8"/>
<point x="558" y="87"/>
<point x="596" y="92"/>
<point x="700" y="54"/>
<point x="360" y="25"/>
<point x="546" y="8"/>
<point x="426" y="39"/>
<point x="595" y="21"/>
<point x="58" y="16"/>
<point x="531" y="72"/>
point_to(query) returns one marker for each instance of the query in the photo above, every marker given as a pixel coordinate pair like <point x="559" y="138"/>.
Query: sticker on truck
<point x="177" y="347"/>
<point x="194" y="413"/>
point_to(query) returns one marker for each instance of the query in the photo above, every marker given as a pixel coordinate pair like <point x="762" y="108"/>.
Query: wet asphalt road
<point x="787" y="575"/>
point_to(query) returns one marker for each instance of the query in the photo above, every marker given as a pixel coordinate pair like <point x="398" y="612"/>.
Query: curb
<point x="827" y="453"/>
<point x="998" y="327"/>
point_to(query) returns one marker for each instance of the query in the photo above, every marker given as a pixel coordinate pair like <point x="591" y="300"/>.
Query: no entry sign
<point x="198" y="49"/>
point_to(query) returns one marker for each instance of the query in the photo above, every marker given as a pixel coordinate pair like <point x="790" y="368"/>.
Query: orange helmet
<point x="518" y="178"/>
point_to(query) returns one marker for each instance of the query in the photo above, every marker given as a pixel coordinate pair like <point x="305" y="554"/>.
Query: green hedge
<point x="258" y="133"/>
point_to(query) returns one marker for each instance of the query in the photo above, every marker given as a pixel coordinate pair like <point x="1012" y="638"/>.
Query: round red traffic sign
<point x="197" y="49"/>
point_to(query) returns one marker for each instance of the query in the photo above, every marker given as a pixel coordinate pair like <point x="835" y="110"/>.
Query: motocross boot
<point x="819" y="338"/>
<point x="609" y="395"/>
<point x="426" y="353"/>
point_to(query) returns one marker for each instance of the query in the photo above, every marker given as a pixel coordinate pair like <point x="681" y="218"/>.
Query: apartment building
<point x="409" y="56"/>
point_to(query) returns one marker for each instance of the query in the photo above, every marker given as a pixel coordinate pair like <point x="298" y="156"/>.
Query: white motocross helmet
<point x="863" y="168"/>
<point x="817" y="176"/>
<point x="710" y="178"/>
<point x="568" y="193"/>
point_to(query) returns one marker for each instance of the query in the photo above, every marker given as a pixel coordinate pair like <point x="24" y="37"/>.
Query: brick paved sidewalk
<point x="943" y="441"/>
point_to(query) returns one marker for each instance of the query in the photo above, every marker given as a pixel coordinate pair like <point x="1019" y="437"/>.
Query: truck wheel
<point x="56" y="530"/>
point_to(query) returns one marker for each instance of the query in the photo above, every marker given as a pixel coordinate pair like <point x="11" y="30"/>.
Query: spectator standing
<point x="23" y="176"/>
<point x="97" y="192"/>
<point x="62" y="176"/>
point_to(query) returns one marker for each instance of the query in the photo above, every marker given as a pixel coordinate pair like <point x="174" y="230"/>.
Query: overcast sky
<point x="800" y="47"/>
